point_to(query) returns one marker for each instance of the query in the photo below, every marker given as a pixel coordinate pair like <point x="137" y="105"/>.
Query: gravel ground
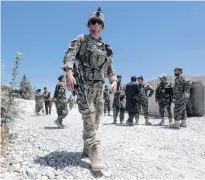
<point x="41" y="151"/>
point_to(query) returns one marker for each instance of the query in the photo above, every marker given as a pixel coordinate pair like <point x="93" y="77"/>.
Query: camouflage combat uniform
<point x="142" y="101"/>
<point x="119" y="104"/>
<point x="106" y="97"/>
<point x="39" y="103"/>
<point x="71" y="103"/>
<point x="60" y="100"/>
<point x="189" y="108"/>
<point x="182" y="85"/>
<point x="164" y="95"/>
<point x="96" y="63"/>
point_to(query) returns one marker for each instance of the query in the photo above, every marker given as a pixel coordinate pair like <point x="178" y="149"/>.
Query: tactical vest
<point x="164" y="91"/>
<point x="94" y="57"/>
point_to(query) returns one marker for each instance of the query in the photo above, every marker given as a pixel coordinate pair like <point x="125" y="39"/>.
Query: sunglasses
<point x="94" y="21"/>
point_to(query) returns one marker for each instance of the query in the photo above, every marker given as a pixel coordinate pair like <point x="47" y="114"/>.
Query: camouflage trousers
<point x="71" y="105"/>
<point x="180" y="109"/>
<point x="39" y="107"/>
<point x="116" y="111"/>
<point x="62" y="110"/>
<point x="189" y="107"/>
<point x="91" y="110"/>
<point x="165" y="106"/>
<point x="107" y="106"/>
<point x="142" y="103"/>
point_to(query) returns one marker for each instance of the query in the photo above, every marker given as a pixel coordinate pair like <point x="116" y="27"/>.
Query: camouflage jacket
<point x="47" y="96"/>
<point x="164" y="92"/>
<point x="144" y="91"/>
<point x="60" y="93"/>
<point x="94" y="55"/>
<point x="182" y="85"/>
<point x="39" y="98"/>
<point x="71" y="101"/>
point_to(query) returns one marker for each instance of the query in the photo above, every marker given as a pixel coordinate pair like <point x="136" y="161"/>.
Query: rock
<point x="19" y="159"/>
<point x="17" y="167"/>
<point x="38" y="176"/>
<point x="107" y="173"/>
<point x="31" y="172"/>
<point x="59" y="177"/>
<point x="44" y="177"/>
<point x="50" y="174"/>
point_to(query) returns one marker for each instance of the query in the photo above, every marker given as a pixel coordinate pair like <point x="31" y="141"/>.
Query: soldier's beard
<point x="176" y="74"/>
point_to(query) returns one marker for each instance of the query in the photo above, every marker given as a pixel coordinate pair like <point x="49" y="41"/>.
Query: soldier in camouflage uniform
<point x="95" y="63"/>
<point x="106" y="97"/>
<point x="60" y="100"/>
<point x="163" y="96"/>
<point x="142" y="99"/>
<point x="189" y="108"/>
<point x="119" y="101"/>
<point x="181" y="93"/>
<point x="39" y="102"/>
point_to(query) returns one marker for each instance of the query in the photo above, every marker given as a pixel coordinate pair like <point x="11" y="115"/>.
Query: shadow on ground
<point x="62" y="159"/>
<point x="52" y="127"/>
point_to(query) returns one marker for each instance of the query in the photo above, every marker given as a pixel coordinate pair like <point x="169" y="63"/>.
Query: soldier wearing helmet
<point x="94" y="58"/>
<point x="163" y="96"/>
<point x="181" y="94"/>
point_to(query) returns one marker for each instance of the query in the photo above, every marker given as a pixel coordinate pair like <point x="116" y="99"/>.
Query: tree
<point x="25" y="88"/>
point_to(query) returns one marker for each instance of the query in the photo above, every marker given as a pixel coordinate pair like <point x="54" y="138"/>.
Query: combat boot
<point x="170" y="121"/>
<point x="147" y="122"/>
<point x="57" y="122"/>
<point x="162" y="122"/>
<point x="96" y="162"/>
<point x="183" y="123"/>
<point x="129" y="123"/>
<point x="137" y="121"/>
<point x="114" y="122"/>
<point x="61" y="123"/>
<point x="85" y="152"/>
<point x="176" y="125"/>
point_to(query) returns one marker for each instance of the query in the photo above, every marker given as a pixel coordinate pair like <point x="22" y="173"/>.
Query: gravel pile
<point x="41" y="151"/>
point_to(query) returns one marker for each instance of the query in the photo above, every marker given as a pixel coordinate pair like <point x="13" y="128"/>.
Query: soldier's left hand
<point x="114" y="86"/>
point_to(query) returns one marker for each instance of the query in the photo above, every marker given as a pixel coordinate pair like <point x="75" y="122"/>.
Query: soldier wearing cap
<point x="60" y="100"/>
<point x="95" y="59"/>
<point x="39" y="102"/>
<point x="163" y="96"/>
<point x="181" y="94"/>
<point x="142" y="99"/>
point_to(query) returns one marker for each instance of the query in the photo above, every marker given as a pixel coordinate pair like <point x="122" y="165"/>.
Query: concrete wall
<point x="153" y="107"/>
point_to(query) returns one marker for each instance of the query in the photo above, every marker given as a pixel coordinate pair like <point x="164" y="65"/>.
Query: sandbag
<point x="197" y="99"/>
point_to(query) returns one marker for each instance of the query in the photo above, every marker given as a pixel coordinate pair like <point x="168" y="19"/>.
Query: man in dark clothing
<point x="48" y="102"/>
<point x="119" y="102"/>
<point x="132" y="90"/>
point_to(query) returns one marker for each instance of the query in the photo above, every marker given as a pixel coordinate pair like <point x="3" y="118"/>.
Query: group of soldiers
<point x="134" y="96"/>
<point x="87" y="62"/>
<point x="43" y="98"/>
<point x="59" y="98"/>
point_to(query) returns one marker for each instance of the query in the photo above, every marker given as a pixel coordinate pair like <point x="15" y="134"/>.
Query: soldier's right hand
<point x="70" y="81"/>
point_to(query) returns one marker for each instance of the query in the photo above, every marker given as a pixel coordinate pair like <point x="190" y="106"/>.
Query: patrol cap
<point x="163" y="76"/>
<point x="60" y="77"/>
<point x="179" y="69"/>
<point x="140" y="77"/>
